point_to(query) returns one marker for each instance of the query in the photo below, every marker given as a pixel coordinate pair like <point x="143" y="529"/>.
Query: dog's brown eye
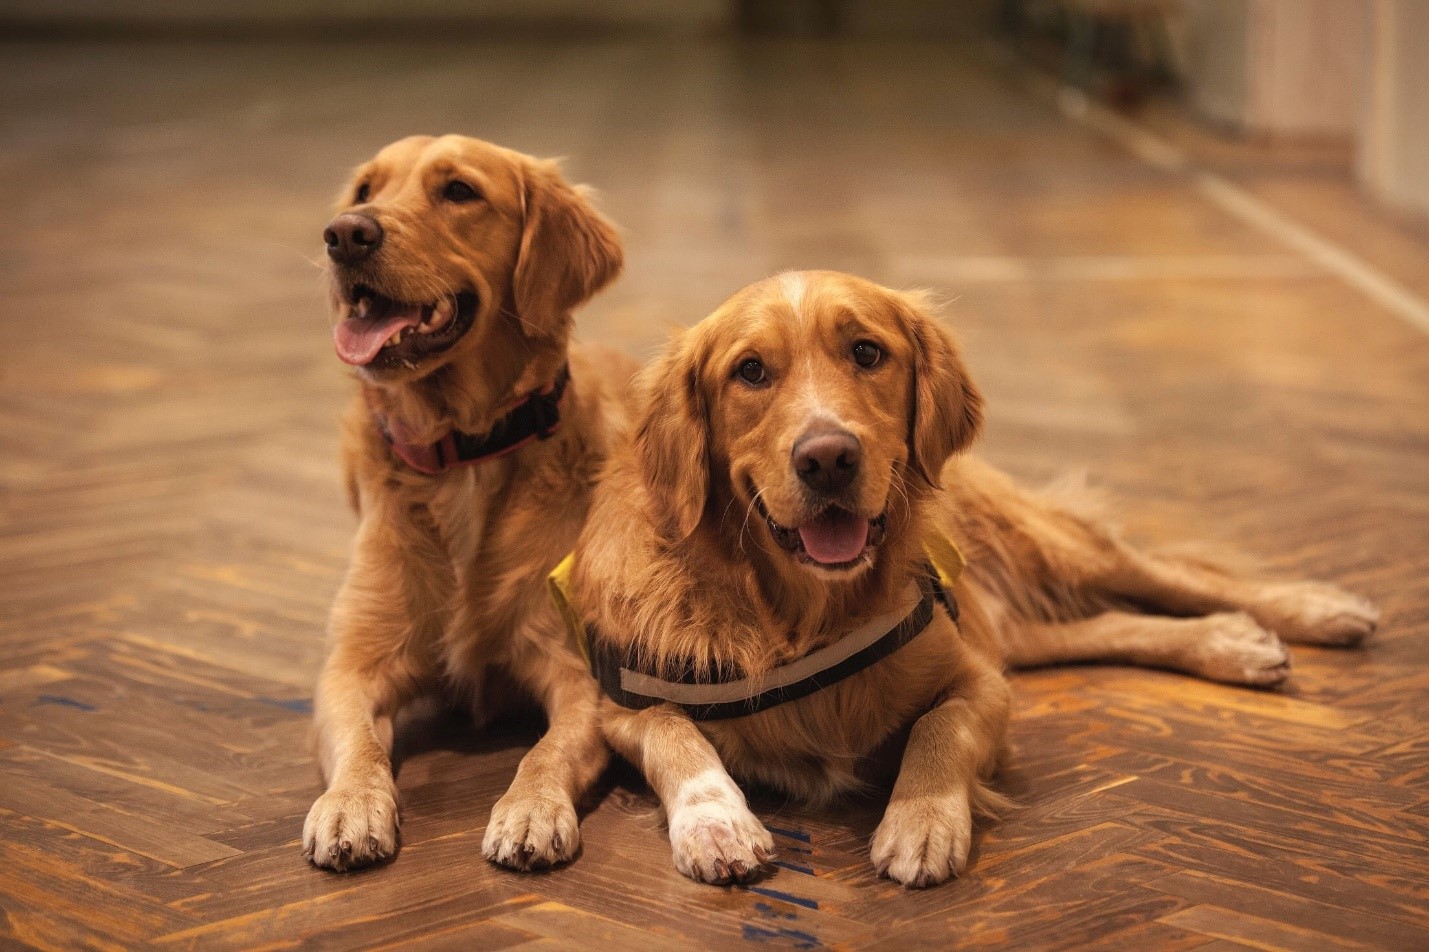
<point x="752" y="372"/>
<point x="364" y="192"/>
<point x="866" y="354"/>
<point x="458" y="191"/>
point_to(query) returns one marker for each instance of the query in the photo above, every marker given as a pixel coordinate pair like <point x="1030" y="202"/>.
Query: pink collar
<point x="535" y="417"/>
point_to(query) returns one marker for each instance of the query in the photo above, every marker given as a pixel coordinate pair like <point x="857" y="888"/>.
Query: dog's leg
<point x="1227" y="647"/>
<point x="714" y="836"/>
<point x="1305" y="612"/>
<point x="369" y="675"/>
<point x="534" y="825"/>
<point x="355" y="822"/>
<point x="1076" y="562"/>
<point x="926" y="831"/>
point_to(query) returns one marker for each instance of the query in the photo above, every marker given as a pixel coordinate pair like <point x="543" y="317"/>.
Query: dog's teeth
<point x="441" y="313"/>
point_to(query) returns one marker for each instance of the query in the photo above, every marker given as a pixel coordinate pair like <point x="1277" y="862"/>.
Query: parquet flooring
<point x="172" y="526"/>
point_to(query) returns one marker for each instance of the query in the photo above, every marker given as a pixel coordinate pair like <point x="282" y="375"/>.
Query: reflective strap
<point x="866" y="645"/>
<point x="813" y="663"/>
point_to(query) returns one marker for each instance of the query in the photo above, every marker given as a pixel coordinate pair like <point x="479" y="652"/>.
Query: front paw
<point x="1314" y="613"/>
<point x="531" y="831"/>
<point x="719" y="842"/>
<point x="350" y="827"/>
<point x="923" y="841"/>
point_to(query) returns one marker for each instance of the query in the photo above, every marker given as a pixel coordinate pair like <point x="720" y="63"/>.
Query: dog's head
<point x="451" y="248"/>
<point x="818" y="403"/>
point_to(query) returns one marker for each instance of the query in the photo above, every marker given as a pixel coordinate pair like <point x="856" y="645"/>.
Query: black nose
<point x="827" y="460"/>
<point x="351" y="237"/>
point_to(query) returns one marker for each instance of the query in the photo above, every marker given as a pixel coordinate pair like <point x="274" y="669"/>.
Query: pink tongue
<point x="358" y="339"/>
<point x="836" y="536"/>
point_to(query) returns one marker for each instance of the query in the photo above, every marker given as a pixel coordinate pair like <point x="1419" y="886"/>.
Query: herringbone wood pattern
<point x="174" y="528"/>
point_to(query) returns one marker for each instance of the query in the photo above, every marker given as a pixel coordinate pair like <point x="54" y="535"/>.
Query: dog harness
<point x="723" y="694"/>
<point x="534" y="418"/>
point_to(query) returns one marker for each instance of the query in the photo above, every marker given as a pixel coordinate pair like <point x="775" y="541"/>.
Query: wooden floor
<point x="174" y="528"/>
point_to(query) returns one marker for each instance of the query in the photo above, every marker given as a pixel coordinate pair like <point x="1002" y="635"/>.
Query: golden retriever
<point x="792" y="456"/>
<point x="455" y="267"/>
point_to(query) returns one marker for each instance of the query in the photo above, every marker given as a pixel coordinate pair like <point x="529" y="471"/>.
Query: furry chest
<point x="846" y="738"/>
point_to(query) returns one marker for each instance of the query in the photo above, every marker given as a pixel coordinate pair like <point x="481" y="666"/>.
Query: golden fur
<point x="678" y="563"/>
<point x="445" y="593"/>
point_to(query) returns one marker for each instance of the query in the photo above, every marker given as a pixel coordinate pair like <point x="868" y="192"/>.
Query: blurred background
<point x="1347" y="70"/>
<point x="1184" y="242"/>
<point x="170" y="165"/>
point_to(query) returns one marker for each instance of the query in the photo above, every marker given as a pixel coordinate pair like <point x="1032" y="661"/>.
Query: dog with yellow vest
<point x="793" y="574"/>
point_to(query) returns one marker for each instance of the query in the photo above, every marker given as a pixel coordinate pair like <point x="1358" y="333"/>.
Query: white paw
<point x="719" y="841"/>
<point x="351" y="827"/>
<point x="528" y="831"/>
<point x="923" y="841"/>
<point x="1314" y="613"/>
<point x="1231" y="647"/>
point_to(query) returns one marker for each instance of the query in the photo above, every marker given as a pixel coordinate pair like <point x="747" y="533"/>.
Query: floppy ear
<point x="568" y="250"/>
<point x="672" y="437"/>
<point x="947" y="406"/>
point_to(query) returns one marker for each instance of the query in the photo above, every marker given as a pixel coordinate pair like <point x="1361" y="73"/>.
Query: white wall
<point x="1278" y="67"/>
<point x="1394" y="141"/>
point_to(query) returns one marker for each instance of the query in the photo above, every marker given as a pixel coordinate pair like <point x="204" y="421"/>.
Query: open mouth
<point x="378" y="332"/>
<point x="833" y="539"/>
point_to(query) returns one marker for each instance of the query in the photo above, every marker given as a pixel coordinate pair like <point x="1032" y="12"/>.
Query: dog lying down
<point x="771" y="580"/>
